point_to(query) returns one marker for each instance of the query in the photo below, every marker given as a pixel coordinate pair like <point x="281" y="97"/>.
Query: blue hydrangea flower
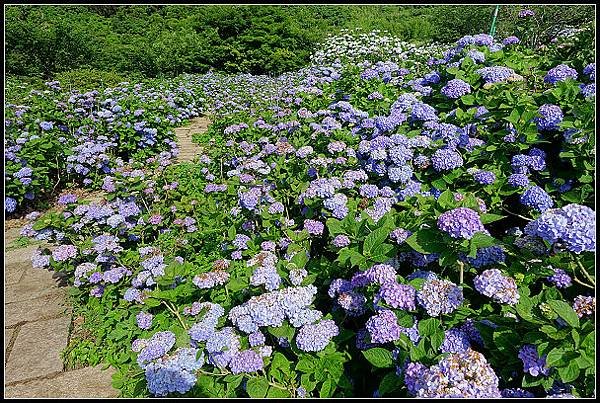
<point x="456" y="88"/>
<point x="536" y="198"/>
<point x="560" y="73"/>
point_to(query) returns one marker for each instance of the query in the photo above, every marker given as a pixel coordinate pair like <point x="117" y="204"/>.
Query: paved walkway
<point x="188" y="149"/>
<point x="36" y="330"/>
<point x="37" y="317"/>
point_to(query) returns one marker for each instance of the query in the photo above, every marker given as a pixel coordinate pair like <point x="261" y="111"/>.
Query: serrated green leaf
<point x="257" y="387"/>
<point x="379" y="357"/>
<point x="565" y="311"/>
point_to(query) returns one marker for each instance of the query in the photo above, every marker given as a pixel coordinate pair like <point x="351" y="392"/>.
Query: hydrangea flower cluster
<point x="466" y="374"/>
<point x="533" y="364"/>
<point x="439" y="297"/>
<point x="493" y="284"/>
<point x="560" y="73"/>
<point x="461" y="223"/>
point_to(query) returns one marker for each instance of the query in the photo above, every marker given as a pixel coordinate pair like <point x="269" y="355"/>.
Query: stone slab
<point x="46" y="307"/>
<point x="36" y="352"/>
<point x="13" y="273"/>
<point x="8" y="334"/>
<point x="83" y="383"/>
<point x="34" y="283"/>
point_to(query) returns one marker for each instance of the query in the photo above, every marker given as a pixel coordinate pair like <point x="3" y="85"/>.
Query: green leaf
<point x="437" y="339"/>
<point x="446" y="200"/>
<point x="570" y="372"/>
<point x="379" y="357"/>
<point x="374" y="239"/>
<point x="334" y="226"/>
<point x="327" y="388"/>
<point x="487" y="218"/>
<point x="389" y="383"/>
<point x="565" y="311"/>
<point x="257" y="387"/>
<point x="382" y="253"/>
<point x="555" y="356"/>
<point x="481" y="240"/>
<point x="429" y="326"/>
<point x="426" y="241"/>
<point x="277" y="392"/>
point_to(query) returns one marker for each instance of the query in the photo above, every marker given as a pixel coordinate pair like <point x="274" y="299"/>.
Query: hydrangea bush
<point x="350" y="230"/>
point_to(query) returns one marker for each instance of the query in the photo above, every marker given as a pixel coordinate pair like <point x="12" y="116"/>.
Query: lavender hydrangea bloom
<point x="64" y="252"/>
<point x="400" y="296"/>
<point x="560" y="278"/>
<point x="155" y="347"/>
<point x="383" y="327"/>
<point x="456" y="88"/>
<point x="246" y="361"/>
<point x="10" y="204"/>
<point x="439" y="297"/>
<point x="446" y="159"/>
<point x="533" y="364"/>
<point x="510" y="40"/>
<point x="175" y="373"/>
<point x="560" y="73"/>
<point x="590" y="71"/>
<point x="588" y="91"/>
<point x="495" y="74"/>
<point x="314" y="227"/>
<point x="144" y="320"/>
<point x="340" y="241"/>
<point x="573" y="225"/>
<point x="493" y="284"/>
<point x="455" y="341"/>
<point x="399" y="235"/>
<point x="550" y="117"/>
<point x="256" y="339"/>
<point x="461" y="222"/>
<point x="518" y="180"/>
<point x="457" y="375"/>
<point x="536" y="198"/>
<point x="67" y="198"/>
<point x="484" y="177"/>
<point x="486" y="256"/>
<point x="315" y="337"/>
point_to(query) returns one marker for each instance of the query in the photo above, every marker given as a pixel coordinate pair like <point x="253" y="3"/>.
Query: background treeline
<point x="42" y="41"/>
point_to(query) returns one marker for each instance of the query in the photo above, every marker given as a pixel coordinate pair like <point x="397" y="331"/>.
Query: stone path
<point x="36" y="330"/>
<point x="37" y="317"/>
<point x="188" y="149"/>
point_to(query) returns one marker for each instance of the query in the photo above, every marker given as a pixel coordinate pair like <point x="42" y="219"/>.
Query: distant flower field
<point x="394" y="220"/>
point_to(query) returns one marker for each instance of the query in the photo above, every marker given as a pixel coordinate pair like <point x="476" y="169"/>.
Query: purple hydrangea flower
<point x="536" y="198"/>
<point x="533" y="364"/>
<point x="455" y="341"/>
<point x="144" y="320"/>
<point x="456" y="88"/>
<point x="246" y="361"/>
<point x="560" y="278"/>
<point x="439" y="297"/>
<point x="550" y="117"/>
<point x="400" y="296"/>
<point x="560" y="73"/>
<point x="484" y="177"/>
<point x="493" y="284"/>
<point x="461" y="222"/>
<point x="340" y="241"/>
<point x="314" y="227"/>
<point x="383" y="327"/>
<point x="315" y="337"/>
<point x="446" y="159"/>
